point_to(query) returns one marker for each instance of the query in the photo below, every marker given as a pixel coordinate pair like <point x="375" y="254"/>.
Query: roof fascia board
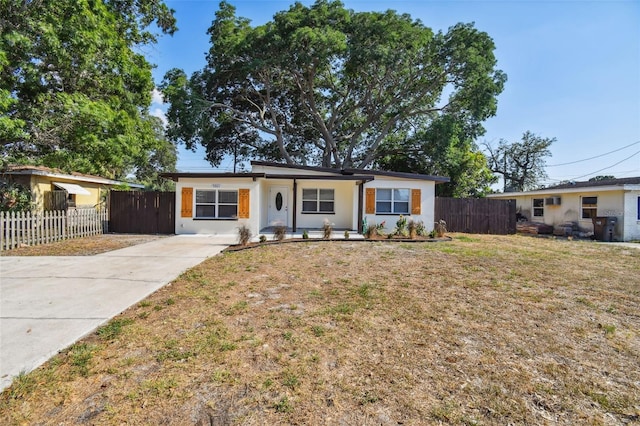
<point x="91" y="179"/>
<point x="550" y="191"/>
<point x="366" y="178"/>
<point x="208" y="175"/>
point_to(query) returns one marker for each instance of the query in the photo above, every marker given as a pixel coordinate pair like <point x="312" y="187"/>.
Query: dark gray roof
<point x="437" y="179"/>
<point x="607" y="182"/>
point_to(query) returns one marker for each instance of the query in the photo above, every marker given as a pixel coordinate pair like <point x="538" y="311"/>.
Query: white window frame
<point x="393" y="201"/>
<point x="318" y="200"/>
<point x="537" y="209"/>
<point x="589" y="207"/>
<point x="216" y="204"/>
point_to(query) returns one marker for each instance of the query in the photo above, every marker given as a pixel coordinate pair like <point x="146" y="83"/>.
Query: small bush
<point x="372" y="231"/>
<point x="279" y="232"/>
<point x="263" y="238"/>
<point x="440" y="228"/>
<point x="420" y="229"/>
<point x="412" y="229"/>
<point x="327" y="230"/>
<point x="401" y="226"/>
<point x="305" y="235"/>
<point x="244" y="235"/>
<point x="346" y="234"/>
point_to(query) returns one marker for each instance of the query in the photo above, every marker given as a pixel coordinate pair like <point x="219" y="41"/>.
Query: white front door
<point x="278" y="206"/>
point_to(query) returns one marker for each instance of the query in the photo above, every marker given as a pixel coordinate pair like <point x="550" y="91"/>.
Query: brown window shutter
<point x="186" y="209"/>
<point x="415" y="201"/>
<point x="370" y="203"/>
<point x="243" y="203"/>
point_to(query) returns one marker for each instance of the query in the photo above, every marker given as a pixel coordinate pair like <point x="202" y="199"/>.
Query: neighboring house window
<point x="316" y="200"/>
<point x="216" y="204"/>
<point x="589" y="207"/>
<point x="538" y="207"/>
<point x="71" y="200"/>
<point x="638" y="213"/>
<point x="393" y="201"/>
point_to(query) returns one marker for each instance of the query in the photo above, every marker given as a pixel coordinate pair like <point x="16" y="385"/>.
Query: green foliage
<point x="521" y="164"/>
<point x="322" y="84"/>
<point x="80" y="355"/>
<point x="263" y="238"/>
<point x="444" y="147"/>
<point x="346" y="234"/>
<point x="401" y="226"/>
<point x="305" y="235"/>
<point x="14" y="197"/>
<point x="113" y="329"/>
<point x="74" y="89"/>
<point x="601" y="178"/>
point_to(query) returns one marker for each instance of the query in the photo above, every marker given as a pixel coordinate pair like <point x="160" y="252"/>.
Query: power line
<point x="609" y="167"/>
<point x="591" y="158"/>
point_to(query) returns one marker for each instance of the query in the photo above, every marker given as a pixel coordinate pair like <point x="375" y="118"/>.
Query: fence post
<point x="2" y="227"/>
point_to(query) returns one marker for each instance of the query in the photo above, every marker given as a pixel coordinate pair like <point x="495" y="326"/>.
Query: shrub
<point x="401" y="226"/>
<point x="420" y="229"/>
<point x="263" y="238"/>
<point x="440" y="228"/>
<point x="371" y="231"/>
<point x="412" y="228"/>
<point x="346" y="234"/>
<point x="279" y="232"/>
<point x="327" y="230"/>
<point x="244" y="235"/>
<point x="305" y="235"/>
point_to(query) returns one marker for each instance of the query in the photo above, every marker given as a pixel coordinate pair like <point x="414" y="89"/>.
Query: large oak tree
<point x="75" y="87"/>
<point x="521" y="163"/>
<point x="328" y="86"/>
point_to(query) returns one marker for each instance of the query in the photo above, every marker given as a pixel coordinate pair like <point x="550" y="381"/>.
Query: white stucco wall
<point x="631" y="225"/>
<point x="193" y="225"/>
<point x="427" y="202"/>
<point x="343" y="204"/>
<point x="610" y="203"/>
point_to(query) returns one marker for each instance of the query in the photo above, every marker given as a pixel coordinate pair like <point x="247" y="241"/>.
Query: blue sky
<point x="573" y="71"/>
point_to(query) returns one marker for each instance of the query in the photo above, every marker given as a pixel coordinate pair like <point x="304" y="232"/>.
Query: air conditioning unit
<point x="553" y="201"/>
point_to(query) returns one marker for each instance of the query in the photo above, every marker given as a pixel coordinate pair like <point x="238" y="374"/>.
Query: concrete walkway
<point x="48" y="303"/>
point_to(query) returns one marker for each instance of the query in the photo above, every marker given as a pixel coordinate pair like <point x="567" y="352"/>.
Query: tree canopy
<point x="442" y="149"/>
<point x="74" y="89"/>
<point x="522" y="163"/>
<point x="324" y="85"/>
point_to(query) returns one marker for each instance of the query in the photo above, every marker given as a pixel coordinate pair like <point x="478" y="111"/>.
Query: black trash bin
<point x="603" y="227"/>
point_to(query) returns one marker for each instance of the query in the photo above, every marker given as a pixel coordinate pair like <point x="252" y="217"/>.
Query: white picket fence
<point x="26" y="228"/>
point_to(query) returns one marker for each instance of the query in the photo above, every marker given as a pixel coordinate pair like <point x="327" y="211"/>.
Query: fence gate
<point x="137" y="212"/>
<point x="477" y="215"/>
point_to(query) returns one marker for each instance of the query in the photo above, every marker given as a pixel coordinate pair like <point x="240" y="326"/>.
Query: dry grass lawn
<point x="479" y="330"/>
<point x="87" y="246"/>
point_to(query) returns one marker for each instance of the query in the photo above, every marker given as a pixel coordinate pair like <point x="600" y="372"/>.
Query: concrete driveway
<point x="48" y="303"/>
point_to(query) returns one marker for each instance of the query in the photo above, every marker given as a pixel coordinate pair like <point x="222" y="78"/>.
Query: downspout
<point x="295" y="203"/>
<point x="360" y="201"/>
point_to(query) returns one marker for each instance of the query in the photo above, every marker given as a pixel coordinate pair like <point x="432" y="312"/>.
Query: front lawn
<point x="479" y="330"/>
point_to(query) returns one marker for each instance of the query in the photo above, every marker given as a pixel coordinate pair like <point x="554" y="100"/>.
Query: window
<point x="589" y="207"/>
<point x="392" y="201"/>
<point x="315" y="200"/>
<point x="216" y="204"/>
<point x="538" y="207"/>
<point x="638" y="211"/>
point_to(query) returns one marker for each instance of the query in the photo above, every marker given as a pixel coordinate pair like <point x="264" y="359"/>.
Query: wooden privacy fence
<point x="27" y="228"/>
<point x="477" y="215"/>
<point x="137" y="212"/>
